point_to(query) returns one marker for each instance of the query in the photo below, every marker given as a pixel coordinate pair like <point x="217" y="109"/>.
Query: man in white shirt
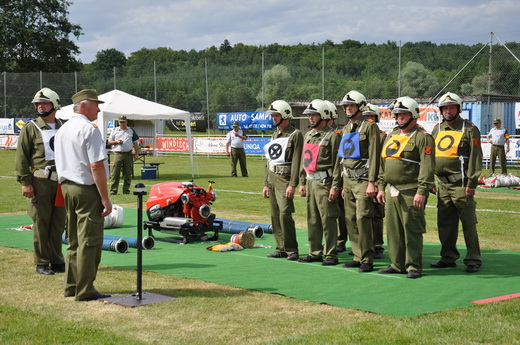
<point x="81" y="163"/>
<point x="235" y="140"/>
<point x="123" y="139"/>
<point x="498" y="138"/>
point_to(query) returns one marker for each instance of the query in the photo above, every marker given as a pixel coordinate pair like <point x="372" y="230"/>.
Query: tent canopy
<point x="118" y="103"/>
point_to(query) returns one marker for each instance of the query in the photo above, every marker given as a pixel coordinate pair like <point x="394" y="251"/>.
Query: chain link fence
<point x="250" y="82"/>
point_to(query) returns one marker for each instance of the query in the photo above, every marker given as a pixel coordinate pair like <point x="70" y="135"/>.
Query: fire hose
<point x="147" y="243"/>
<point x="115" y="245"/>
<point x="236" y="226"/>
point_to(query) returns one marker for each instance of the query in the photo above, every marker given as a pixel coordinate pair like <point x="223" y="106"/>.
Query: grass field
<point x="33" y="311"/>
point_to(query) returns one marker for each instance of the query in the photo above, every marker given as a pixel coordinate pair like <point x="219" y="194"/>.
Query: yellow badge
<point x="395" y="146"/>
<point x="447" y="143"/>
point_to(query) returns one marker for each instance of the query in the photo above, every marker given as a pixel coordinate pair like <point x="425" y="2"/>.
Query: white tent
<point x="119" y="103"/>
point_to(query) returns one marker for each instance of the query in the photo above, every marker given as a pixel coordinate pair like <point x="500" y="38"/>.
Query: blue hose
<point x="118" y="245"/>
<point x="148" y="242"/>
<point x="236" y="226"/>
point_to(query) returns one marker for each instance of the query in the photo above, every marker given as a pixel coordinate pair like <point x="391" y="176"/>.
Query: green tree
<point x="108" y="59"/>
<point x="35" y="36"/>
<point x="417" y="81"/>
<point x="276" y="81"/>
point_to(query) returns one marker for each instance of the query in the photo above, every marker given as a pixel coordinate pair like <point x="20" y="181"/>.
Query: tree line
<point x="240" y="77"/>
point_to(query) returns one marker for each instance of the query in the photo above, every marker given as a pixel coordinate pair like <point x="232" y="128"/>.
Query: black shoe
<point x="413" y="274"/>
<point x="388" y="270"/>
<point x="293" y="257"/>
<point x="472" y="269"/>
<point x="58" y="268"/>
<point x="44" y="269"/>
<point x="366" y="268"/>
<point x="310" y="258"/>
<point x="352" y="264"/>
<point x="341" y="248"/>
<point x="442" y="264"/>
<point x="113" y="193"/>
<point x="97" y="295"/>
<point x="277" y="255"/>
<point x="126" y="192"/>
<point x="329" y="262"/>
<point x="379" y="253"/>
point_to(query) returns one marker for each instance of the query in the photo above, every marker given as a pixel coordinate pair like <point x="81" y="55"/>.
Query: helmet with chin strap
<point x="371" y="109"/>
<point x="318" y="106"/>
<point x="280" y="107"/>
<point x="406" y="105"/>
<point x="47" y="95"/>
<point x="450" y="99"/>
<point x="333" y="109"/>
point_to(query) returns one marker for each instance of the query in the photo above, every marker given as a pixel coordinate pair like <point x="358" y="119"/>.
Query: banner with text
<point x="258" y="120"/>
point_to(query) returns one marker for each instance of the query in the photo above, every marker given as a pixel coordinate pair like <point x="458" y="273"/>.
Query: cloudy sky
<point x="129" y="25"/>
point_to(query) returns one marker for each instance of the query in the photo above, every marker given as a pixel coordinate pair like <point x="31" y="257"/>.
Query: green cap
<point x="236" y="124"/>
<point x="122" y="118"/>
<point x="86" y="94"/>
<point x="497" y="121"/>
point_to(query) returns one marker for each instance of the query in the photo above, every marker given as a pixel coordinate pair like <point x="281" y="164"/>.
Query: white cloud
<point x="198" y="24"/>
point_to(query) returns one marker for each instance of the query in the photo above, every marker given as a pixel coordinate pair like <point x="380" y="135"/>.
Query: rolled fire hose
<point x="147" y="243"/>
<point x="235" y="226"/>
<point x="119" y="245"/>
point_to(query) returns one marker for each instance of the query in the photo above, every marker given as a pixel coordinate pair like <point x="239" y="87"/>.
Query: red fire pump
<point x="183" y="208"/>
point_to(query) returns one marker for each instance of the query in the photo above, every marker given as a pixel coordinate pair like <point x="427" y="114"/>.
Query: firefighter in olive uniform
<point x="406" y="176"/>
<point x="282" y="172"/>
<point x="372" y="114"/>
<point x="36" y="171"/>
<point x="359" y="158"/>
<point x="317" y="182"/>
<point x="458" y="165"/>
<point x="342" y="223"/>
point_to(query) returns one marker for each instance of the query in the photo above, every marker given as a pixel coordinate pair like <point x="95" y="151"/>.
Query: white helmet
<point x="47" y="95"/>
<point x="333" y="109"/>
<point x="280" y="107"/>
<point x="406" y="105"/>
<point x="320" y="107"/>
<point x="355" y="97"/>
<point x="371" y="109"/>
<point x="450" y="99"/>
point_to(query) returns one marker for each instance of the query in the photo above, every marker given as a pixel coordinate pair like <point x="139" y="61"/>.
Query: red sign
<point x="172" y="144"/>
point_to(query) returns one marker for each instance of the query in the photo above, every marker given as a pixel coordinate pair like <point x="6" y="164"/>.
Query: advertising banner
<point x="256" y="145"/>
<point x="428" y="118"/>
<point x="258" y="120"/>
<point x="517" y="116"/>
<point x="172" y="144"/>
<point x="8" y="141"/>
<point x="6" y="126"/>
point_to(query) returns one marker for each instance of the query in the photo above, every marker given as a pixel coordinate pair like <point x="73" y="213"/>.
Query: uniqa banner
<point x="258" y="120"/>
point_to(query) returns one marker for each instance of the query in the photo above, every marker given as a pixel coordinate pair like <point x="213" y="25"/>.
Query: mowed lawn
<point x="34" y="311"/>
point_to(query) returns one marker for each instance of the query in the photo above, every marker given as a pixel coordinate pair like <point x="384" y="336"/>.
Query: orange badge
<point x="476" y="142"/>
<point x="428" y="150"/>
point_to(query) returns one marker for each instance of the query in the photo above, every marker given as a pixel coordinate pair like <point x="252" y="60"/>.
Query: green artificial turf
<point x="393" y="295"/>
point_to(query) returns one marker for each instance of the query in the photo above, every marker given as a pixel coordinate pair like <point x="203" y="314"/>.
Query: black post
<point x="139" y="190"/>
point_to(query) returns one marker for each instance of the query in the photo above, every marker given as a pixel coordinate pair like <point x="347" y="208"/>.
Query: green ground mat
<point x="393" y="295"/>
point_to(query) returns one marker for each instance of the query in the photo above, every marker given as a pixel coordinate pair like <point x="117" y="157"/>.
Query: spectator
<point x="123" y="139"/>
